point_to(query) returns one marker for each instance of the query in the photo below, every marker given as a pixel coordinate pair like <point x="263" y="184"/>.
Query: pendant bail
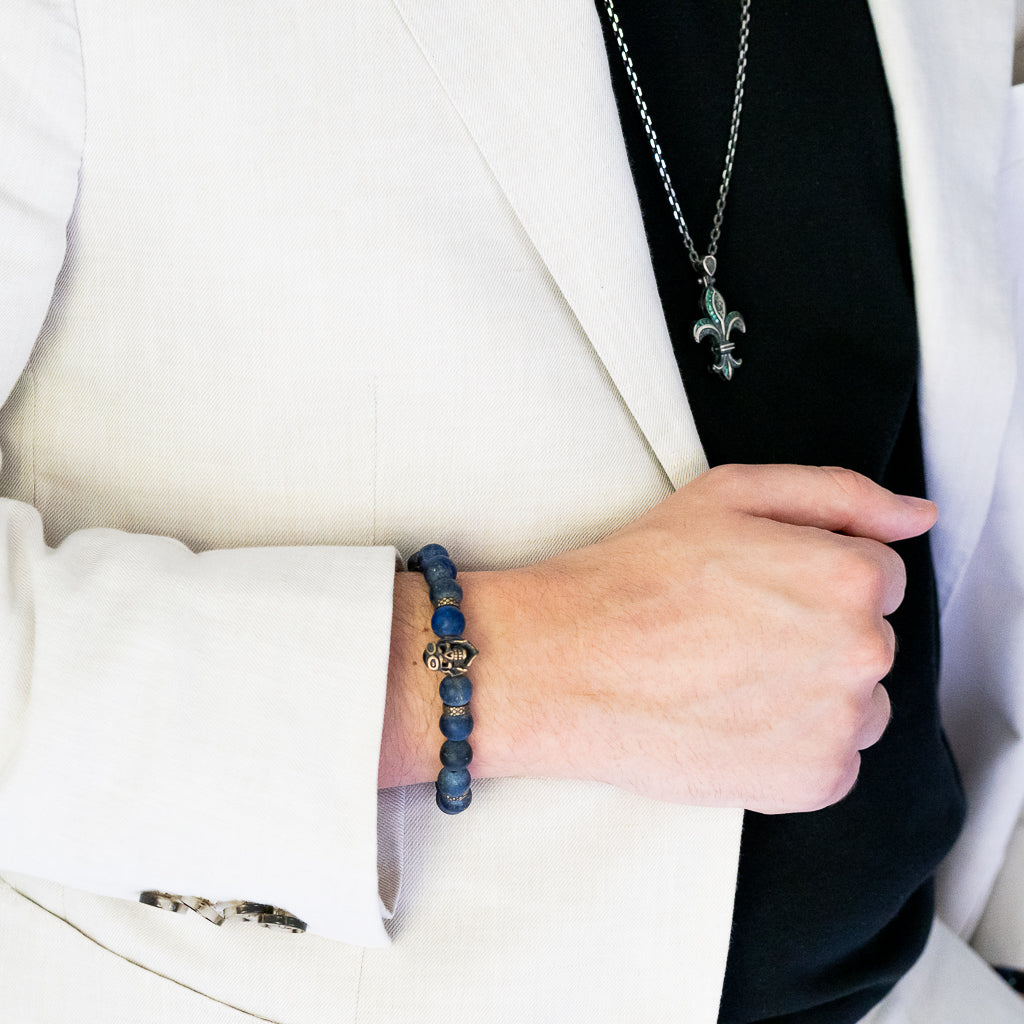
<point x="709" y="265"/>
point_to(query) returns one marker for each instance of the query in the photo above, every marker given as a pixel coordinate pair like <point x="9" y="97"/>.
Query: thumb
<point x="829" y="498"/>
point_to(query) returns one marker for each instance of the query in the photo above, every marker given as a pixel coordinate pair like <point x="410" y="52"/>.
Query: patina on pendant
<point x="718" y="325"/>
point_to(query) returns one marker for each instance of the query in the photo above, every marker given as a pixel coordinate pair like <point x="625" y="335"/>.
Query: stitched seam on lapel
<point x="476" y="145"/>
<point x="610" y="296"/>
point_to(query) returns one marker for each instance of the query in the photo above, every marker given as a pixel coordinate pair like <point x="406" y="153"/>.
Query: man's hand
<point x="724" y="649"/>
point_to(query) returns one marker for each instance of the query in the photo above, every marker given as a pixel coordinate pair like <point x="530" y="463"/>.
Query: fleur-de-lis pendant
<point x="718" y="325"/>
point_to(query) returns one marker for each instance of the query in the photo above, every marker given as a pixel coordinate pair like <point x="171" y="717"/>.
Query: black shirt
<point x="831" y="907"/>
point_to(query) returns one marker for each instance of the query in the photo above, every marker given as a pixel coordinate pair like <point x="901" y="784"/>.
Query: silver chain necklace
<point x="719" y="323"/>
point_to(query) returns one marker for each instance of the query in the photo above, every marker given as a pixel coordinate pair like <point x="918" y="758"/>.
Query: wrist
<point x="410" y="743"/>
<point x="520" y="705"/>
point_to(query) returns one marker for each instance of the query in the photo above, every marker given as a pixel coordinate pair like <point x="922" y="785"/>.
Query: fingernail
<point x="920" y="504"/>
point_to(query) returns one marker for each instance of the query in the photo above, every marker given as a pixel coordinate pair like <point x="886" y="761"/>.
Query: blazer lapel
<point x="948" y="67"/>
<point x="531" y="84"/>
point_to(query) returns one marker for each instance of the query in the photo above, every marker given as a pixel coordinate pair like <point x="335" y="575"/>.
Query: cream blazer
<point x="283" y="296"/>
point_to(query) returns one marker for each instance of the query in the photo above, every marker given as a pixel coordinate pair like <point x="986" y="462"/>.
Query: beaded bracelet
<point x="451" y="655"/>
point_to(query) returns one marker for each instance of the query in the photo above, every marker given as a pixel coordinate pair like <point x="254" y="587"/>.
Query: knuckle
<point x="729" y="477"/>
<point x="896" y="579"/>
<point x="833" y="781"/>
<point x="893" y="564"/>
<point x="860" y="576"/>
<point x="873" y="654"/>
<point x="889" y="563"/>
<point x="883" y="702"/>
<point x="827" y="765"/>
<point x="878" y="723"/>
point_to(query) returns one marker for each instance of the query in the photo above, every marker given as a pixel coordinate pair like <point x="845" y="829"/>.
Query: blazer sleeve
<point x="203" y="724"/>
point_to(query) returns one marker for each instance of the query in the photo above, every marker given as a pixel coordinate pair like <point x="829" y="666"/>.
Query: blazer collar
<point x="531" y="82"/>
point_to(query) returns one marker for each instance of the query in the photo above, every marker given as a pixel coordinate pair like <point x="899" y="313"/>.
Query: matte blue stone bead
<point x="437" y="570"/>
<point x="456" y="727"/>
<point x="456" y="754"/>
<point x="432" y="552"/>
<point x="445" y="589"/>
<point x="452" y="805"/>
<point x="452" y="781"/>
<point x="428" y="553"/>
<point x="456" y="691"/>
<point x="448" y="621"/>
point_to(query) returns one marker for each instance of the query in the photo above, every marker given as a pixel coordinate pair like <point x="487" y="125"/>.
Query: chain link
<point x="652" y="135"/>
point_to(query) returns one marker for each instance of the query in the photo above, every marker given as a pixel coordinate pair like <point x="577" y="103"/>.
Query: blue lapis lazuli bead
<point x="427" y="553"/>
<point x="448" y="621"/>
<point x="456" y="691"/>
<point x="456" y="727"/>
<point x="453" y="781"/>
<point x="446" y="590"/>
<point x="437" y="570"/>
<point x="456" y="754"/>
<point x="432" y="552"/>
<point x="452" y="805"/>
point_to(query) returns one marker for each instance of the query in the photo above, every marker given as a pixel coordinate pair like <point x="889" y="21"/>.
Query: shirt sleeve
<point x="206" y="724"/>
